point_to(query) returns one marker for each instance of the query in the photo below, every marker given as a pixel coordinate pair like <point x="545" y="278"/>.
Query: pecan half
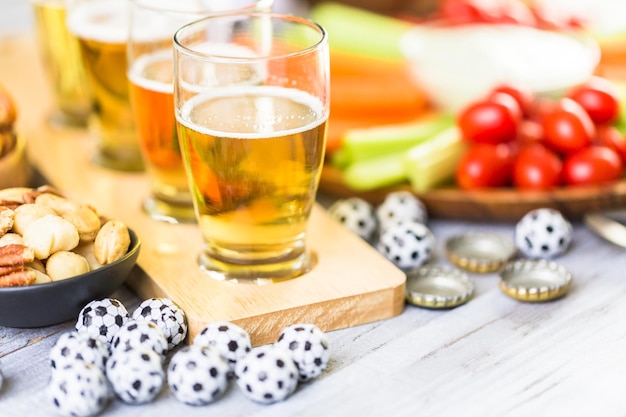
<point x="14" y="254"/>
<point x="18" y="278"/>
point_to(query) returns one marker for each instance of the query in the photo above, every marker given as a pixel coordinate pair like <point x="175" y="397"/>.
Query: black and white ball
<point x="76" y="346"/>
<point x="140" y="333"/>
<point x="408" y="244"/>
<point x="400" y="206"/>
<point x="167" y="315"/>
<point x="356" y="214"/>
<point x="102" y="319"/>
<point x="198" y="375"/>
<point x="230" y="340"/>
<point x="136" y="375"/>
<point x="78" y="389"/>
<point x="267" y="374"/>
<point x="308" y="347"/>
<point x="543" y="233"/>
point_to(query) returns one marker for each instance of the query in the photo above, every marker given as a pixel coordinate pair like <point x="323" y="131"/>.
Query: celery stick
<point x="357" y="30"/>
<point x="366" y="143"/>
<point x="339" y="158"/>
<point x="376" y="173"/>
<point x="434" y="162"/>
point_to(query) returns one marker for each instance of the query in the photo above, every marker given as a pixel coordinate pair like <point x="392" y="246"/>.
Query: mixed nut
<point x="46" y="237"/>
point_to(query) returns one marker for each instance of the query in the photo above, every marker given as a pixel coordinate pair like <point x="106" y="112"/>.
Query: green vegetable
<point x="425" y="165"/>
<point x="376" y="173"/>
<point x="360" y="31"/>
<point x="367" y="143"/>
<point x="434" y="162"/>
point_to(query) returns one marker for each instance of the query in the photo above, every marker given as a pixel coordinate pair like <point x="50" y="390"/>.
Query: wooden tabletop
<point x="492" y="356"/>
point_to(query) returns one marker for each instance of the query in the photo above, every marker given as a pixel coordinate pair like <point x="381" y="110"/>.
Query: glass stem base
<point x="167" y="212"/>
<point x="257" y="273"/>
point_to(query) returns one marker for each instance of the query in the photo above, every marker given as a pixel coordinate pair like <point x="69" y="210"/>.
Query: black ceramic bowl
<point x="41" y="305"/>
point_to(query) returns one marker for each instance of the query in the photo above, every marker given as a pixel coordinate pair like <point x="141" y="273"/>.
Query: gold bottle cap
<point x="480" y="252"/>
<point x="438" y="287"/>
<point x="535" y="280"/>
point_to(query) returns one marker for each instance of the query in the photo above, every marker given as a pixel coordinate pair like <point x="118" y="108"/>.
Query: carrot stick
<point x="356" y="65"/>
<point x="366" y="97"/>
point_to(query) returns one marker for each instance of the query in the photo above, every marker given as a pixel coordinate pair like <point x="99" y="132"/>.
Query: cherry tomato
<point x="485" y="165"/>
<point x="516" y="12"/>
<point x="459" y="12"/>
<point x="536" y="167"/>
<point x="592" y="165"/>
<point x="611" y="137"/>
<point x="529" y="132"/>
<point x="599" y="97"/>
<point x="477" y="11"/>
<point x="524" y="97"/>
<point x="490" y="121"/>
<point x="566" y="126"/>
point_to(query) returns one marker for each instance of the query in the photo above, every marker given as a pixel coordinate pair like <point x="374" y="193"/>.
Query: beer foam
<point x="137" y="71"/>
<point x="104" y="21"/>
<point x="260" y="92"/>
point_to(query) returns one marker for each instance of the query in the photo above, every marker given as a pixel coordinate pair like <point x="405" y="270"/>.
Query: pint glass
<point x="101" y="27"/>
<point x="61" y="60"/>
<point x="251" y="96"/>
<point x="150" y="72"/>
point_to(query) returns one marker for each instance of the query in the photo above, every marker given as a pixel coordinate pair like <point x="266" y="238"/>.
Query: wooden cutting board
<point x="351" y="283"/>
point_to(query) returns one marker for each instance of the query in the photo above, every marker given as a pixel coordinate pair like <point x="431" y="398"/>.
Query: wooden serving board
<point x="492" y="205"/>
<point x="350" y="284"/>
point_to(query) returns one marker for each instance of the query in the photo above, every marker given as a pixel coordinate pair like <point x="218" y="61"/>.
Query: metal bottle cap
<point x="535" y="280"/>
<point x="438" y="287"/>
<point x="480" y="252"/>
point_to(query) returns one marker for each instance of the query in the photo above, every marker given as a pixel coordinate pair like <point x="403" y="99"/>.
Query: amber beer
<point x="61" y="59"/>
<point x="101" y="27"/>
<point x="151" y="92"/>
<point x="254" y="157"/>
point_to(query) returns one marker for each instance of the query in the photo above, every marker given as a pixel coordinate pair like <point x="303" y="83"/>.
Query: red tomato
<point x="477" y="11"/>
<point x="599" y="98"/>
<point x="611" y="137"/>
<point x="536" y="167"/>
<point x="516" y="12"/>
<point x="529" y="132"/>
<point x="490" y="121"/>
<point x="485" y="165"/>
<point x="524" y="97"/>
<point x="592" y="165"/>
<point x="459" y="12"/>
<point x="566" y="126"/>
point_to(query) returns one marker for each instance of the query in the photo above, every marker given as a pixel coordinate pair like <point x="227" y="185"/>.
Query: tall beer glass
<point x="61" y="60"/>
<point x="101" y="27"/>
<point x="251" y="96"/>
<point x="150" y="72"/>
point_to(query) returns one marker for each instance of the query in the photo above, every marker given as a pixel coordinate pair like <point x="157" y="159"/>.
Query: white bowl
<point x="456" y="65"/>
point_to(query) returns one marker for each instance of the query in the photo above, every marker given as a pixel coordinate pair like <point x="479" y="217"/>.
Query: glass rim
<point x="323" y="37"/>
<point x="147" y="5"/>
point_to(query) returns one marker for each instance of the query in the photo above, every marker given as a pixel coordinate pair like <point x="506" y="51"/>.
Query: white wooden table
<point x="493" y="356"/>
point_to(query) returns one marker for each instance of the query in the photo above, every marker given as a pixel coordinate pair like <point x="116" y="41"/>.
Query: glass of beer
<point x="150" y="72"/>
<point x="251" y="93"/>
<point x="101" y="27"/>
<point x="61" y="59"/>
